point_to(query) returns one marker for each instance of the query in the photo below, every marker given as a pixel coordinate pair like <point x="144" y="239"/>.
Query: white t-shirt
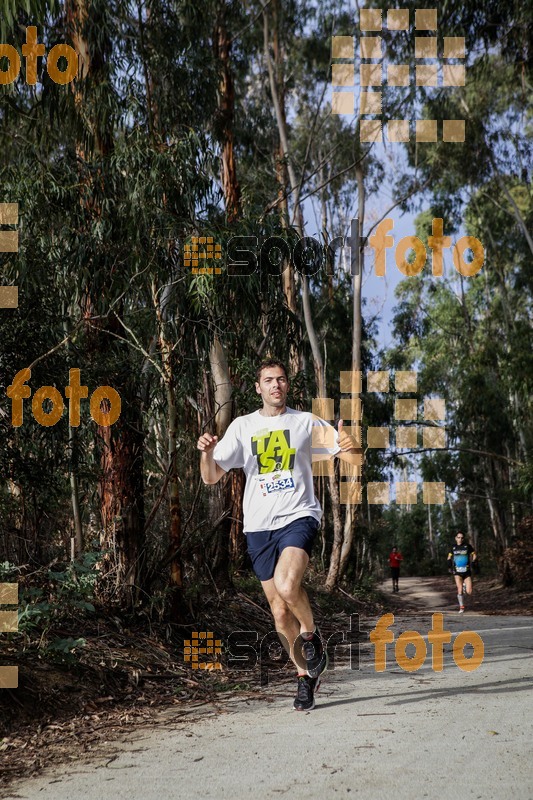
<point x="276" y="454"/>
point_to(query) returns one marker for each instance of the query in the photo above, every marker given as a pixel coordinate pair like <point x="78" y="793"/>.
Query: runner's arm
<point x="353" y="457"/>
<point x="350" y="452"/>
<point x="210" y="471"/>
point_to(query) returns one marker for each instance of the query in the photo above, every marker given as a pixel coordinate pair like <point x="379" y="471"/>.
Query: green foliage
<point x="365" y="589"/>
<point x="8" y="571"/>
<point x="65" y="594"/>
<point x="64" y="650"/>
<point x="113" y="178"/>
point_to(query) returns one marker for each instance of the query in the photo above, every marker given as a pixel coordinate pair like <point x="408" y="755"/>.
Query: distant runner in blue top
<point x="460" y="560"/>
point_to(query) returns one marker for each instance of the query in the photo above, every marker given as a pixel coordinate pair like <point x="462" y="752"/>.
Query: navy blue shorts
<point x="265" y="547"/>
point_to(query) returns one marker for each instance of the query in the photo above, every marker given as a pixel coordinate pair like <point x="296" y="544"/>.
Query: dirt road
<point x="419" y="593"/>
<point x="401" y="734"/>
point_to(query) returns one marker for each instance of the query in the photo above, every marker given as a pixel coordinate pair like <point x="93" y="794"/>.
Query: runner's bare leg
<point x="288" y="600"/>
<point x="460" y="597"/>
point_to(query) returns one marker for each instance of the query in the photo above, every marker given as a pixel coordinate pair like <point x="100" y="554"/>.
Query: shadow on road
<point x="497" y="687"/>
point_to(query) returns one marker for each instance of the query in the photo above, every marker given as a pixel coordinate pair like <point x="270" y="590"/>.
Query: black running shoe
<point x="305" y="693"/>
<point x="316" y="658"/>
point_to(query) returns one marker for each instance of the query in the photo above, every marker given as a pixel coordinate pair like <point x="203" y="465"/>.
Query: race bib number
<point x="276" y="483"/>
<point x="461" y="563"/>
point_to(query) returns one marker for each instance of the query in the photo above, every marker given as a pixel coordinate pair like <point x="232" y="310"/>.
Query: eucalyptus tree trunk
<point x="226" y="510"/>
<point x="73" y="472"/>
<point x="229" y="488"/>
<point x="288" y="282"/>
<point x="496" y="518"/>
<point x="325" y="234"/>
<point x="222" y="386"/>
<point x="298" y="214"/>
<point x="509" y="325"/>
<point x="472" y="532"/>
<point x="226" y="113"/>
<point x="431" y="536"/>
<point x="357" y="333"/>
<point x="121" y="483"/>
<point x="169" y="381"/>
<point x="333" y="482"/>
<point x="279" y="109"/>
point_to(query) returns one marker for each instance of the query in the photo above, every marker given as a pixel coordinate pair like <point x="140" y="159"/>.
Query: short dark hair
<point x="266" y="364"/>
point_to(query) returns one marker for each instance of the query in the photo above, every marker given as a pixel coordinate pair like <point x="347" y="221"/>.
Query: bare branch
<point x="57" y="346"/>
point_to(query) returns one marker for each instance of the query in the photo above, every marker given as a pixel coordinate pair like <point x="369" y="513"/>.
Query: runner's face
<point x="459" y="538"/>
<point x="273" y="387"/>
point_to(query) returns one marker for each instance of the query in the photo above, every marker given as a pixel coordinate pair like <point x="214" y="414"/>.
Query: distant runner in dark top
<point x="460" y="560"/>
<point x="395" y="559"/>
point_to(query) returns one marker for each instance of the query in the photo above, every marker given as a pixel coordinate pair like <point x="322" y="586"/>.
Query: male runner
<point x="275" y="447"/>
<point x="460" y="559"/>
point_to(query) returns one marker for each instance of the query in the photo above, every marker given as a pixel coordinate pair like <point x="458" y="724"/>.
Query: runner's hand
<point x="347" y="442"/>
<point x="207" y="442"/>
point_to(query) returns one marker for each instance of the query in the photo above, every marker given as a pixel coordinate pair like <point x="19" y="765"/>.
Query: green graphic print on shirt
<point x="273" y="451"/>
